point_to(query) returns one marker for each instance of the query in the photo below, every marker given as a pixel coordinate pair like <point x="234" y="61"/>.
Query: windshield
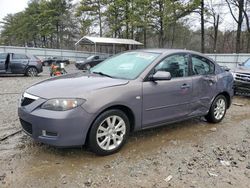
<point x="126" y="66"/>
<point x="247" y="63"/>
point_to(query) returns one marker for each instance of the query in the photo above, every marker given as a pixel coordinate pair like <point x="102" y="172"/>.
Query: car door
<point x="18" y="63"/>
<point x="3" y="57"/>
<point x="168" y="100"/>
<point x="95" y="61"/>
<point x="204" y="83"/>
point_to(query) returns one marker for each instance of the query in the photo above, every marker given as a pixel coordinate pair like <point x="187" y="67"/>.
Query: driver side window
<point x="177" y="65"/>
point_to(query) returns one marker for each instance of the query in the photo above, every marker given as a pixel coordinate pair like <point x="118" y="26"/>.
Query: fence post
<point x="237" y="58"/>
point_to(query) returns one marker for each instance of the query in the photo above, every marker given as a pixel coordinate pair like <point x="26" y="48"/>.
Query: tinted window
<point x="177" y="65"/>
<point x="3" y="56"/>
<point x="19" y="56"/>
<point x="201" y="65"/>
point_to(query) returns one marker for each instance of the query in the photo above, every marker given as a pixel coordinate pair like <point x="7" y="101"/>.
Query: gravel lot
<point x="187" y="154"/>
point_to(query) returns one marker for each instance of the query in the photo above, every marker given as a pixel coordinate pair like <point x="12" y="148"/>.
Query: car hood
<point x="242" y="70"/>
<point x="73" y="86"/>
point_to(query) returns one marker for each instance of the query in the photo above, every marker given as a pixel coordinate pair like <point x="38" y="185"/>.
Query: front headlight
<point x="62" y="104"/>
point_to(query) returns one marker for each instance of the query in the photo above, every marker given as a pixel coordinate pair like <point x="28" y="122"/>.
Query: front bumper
<point x="62" y="129"/>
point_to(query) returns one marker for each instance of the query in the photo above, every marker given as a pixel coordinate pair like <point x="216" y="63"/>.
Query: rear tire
<point x="217" y="110"/>
<point x="109" y="132"/>
<point x="31" y="72"/>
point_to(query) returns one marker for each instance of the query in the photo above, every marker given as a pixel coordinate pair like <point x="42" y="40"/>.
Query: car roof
<point x="164" y="51"/>
<point x="167" y="51"/>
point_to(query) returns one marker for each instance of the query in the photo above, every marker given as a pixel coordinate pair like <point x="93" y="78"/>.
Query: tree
<point x="239" y="5"/>
<point x="94" y="8"/>
<point x="246" y="12"/>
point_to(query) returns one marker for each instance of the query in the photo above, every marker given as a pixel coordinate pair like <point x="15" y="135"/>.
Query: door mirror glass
<point x="161" y="75"/>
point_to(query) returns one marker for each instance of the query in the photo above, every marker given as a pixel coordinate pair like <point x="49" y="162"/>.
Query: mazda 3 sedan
<point x="131" y="91"/>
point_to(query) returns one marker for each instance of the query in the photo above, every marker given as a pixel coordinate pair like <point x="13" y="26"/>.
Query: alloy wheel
<point x="220" y="109"/>
<point x="110" y="133"/>
<point x="32" y="72"/>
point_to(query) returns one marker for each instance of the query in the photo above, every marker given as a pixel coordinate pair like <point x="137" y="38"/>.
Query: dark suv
<point x="11" y="63"/>
<point x="242" y="78"/>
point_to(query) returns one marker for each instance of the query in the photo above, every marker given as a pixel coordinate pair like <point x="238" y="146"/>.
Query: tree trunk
<point x="57" y="35"/>
<point x="248" y="42"/>
<point x="127" y="17"/>
<point x="161" y="33"/>
<point x="239" y="25"/>
<point x="173" y="35"/>
<point x="100" y="17"/>
<point x="216" y="27"/>
<point x="202" y="28"/>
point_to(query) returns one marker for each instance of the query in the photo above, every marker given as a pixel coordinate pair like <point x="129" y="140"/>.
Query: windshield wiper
<point x="103" y="74"/>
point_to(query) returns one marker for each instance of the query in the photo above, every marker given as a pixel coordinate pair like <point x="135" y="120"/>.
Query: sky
<point x="11" y="7"/>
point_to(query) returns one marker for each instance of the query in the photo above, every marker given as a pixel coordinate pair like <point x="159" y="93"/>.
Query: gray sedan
<point x="131" y="91"/>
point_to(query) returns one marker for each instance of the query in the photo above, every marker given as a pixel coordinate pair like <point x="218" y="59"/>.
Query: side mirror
<point x="240" y="64"/>
<point x="161" y="75"/>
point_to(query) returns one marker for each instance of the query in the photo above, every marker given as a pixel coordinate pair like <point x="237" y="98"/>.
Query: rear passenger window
<point x="177" y="65"/>
<point x="19" y="56"/>
<point x="201" y="65"/>
<point x="3" y="56"/>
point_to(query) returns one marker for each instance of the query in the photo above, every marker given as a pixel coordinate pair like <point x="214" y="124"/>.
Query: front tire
<point x="109" y="132"/>
<point x="217" y="110"/>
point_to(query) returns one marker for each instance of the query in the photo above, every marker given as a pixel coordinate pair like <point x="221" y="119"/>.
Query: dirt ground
<point x="187" y="154"/>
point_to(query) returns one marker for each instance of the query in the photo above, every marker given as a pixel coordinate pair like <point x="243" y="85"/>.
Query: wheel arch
<point x="30" y="66"/>
<point x="123" y="108"/>
<point x="227" y="96"/>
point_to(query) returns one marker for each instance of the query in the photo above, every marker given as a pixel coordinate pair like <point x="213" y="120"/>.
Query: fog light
<point x="48" y="134"/>
<point x="43" y="133"/>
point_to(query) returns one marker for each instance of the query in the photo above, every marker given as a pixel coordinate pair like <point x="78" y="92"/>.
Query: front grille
<point x="26" y="126"/>
<point x="26" y="101"/>
<point x="242" y="77"/>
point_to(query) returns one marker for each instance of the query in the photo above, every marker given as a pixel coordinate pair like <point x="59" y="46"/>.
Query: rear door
<point x="3" y="57"/>
<point x="18" y="63"/>
<point x="168" y="100"/>
<point x="204" y="83"/>
<point x="96" y="61"/>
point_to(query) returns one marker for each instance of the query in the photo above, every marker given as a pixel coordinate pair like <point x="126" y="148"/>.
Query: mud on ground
<point x="193" y="153"/>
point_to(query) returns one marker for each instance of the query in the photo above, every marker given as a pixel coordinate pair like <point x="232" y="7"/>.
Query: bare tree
<point x="246" y="14"/>
<point x="215" y="14"/>
<point x="239" y="5"/>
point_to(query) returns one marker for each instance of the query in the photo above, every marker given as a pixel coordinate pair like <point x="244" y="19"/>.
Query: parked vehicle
<point x="90" y="62"/>
<point x="242" y="78"/>
<point x="55" y="60"/>
<point x="129" y="92"/>
<point x="12" y="63"/>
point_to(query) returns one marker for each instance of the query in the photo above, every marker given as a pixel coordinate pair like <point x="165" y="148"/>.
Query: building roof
<point x="104" y="40"/>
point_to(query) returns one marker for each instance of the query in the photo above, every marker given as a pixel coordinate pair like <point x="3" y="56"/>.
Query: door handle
<point x="185" y="86"/>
